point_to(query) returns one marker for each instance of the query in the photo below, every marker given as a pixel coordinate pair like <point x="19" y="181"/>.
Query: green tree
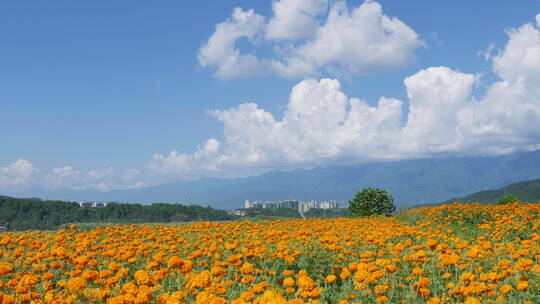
<point x="372" y="201"/>
<point x="22" y="214"/>
<point x="507" y="199"/>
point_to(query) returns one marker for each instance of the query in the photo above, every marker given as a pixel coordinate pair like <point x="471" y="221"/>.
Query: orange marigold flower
<point x="247" y="268"/>
<point x="522" y="285"/>
<point x="288" y="281"/>
<point x="247" y="296"/>
<point x="418" y="271"/>
<point x="76" y="284"/>
<point x="90" y="275"/>
<point x="506" y="288"/>
<point x="524" y="265"/>
<point x="424" y="292"/>
<point x="202" y="280"/>
<point x="5" y="268"/>
<point x="6" y="299"/>
<point x="390" y="268"/>
<point x="434" y="300"/>
<point x="331" y="278"/>
<point x="143" y="278"/>
<point x="472" y="300"/>
<point x="287" y="273"/>
<point x="217" y="271"/>
<point x="345" y="273"/>
<point x="129" y="288"/>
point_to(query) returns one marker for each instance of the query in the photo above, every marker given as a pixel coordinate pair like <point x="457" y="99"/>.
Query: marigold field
<point x="448" y="254"/>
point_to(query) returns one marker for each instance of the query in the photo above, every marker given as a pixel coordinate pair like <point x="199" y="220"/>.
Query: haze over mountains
<point x="410" y="182"/>
<point x="526" y="191"/>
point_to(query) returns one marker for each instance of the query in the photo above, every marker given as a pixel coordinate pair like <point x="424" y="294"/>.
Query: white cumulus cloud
<point x="322" y="125"/>
<point x="220" y="50"/>
<point x="508" y="116"/>
<point x="16" y="175"/>
<point x="310" y="37"/>
<point x="295" y="19"/>
<point x="435" y="96"/>
<point x="63" y="177"/>
<point x="103" y="180"/>
<point x="360" y="41"/>
<point x="183" y="165"/>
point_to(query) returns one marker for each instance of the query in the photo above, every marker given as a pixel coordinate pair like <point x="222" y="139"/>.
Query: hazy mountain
<point x="526" y="191"/>
<point x="410" y="182"/>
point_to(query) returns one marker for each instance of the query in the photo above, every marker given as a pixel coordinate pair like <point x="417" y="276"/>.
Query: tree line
<point x="23" y="214"/>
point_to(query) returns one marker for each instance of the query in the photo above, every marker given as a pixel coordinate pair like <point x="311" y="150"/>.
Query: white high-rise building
<point x="248" y="204"/>
<point x="328" y="205"/>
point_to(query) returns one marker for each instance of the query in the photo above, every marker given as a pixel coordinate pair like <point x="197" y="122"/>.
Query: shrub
<point x="371" y="201"/>
<point x="507" y="199"/>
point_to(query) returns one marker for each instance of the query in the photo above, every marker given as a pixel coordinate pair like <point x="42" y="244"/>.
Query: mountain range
<point x="410" y="182"/>
<point x="526" y="191"/>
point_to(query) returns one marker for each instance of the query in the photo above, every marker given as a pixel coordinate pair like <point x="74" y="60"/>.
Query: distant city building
<point x="329" y="205"/>
<point x="291" y="204"/>
<point x="301" y="206"/>
<point x="237" y="212"/>
<point x="93" y="204"/>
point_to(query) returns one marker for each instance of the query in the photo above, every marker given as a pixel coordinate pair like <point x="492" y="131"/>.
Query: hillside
<point x="526" y="191"/>
<point x="410" y="182"/>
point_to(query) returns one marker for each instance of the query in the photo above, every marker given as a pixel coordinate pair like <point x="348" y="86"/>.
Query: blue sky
<point x="101" y="85"/>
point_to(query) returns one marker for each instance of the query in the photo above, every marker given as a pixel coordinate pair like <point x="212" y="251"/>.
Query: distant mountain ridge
<point x="410" y="182"/>
<point x="525" y="191"/>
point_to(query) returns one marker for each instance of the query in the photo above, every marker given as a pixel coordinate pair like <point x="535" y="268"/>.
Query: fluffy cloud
<point x="507" y="117"/>
<point x="310" y="37"/>
<point x="295" y="19"/>
<point x="16" y="175"/>
<point x="63" y="176"/>
<point x="521" y="56"/>
<point x="177" y="164"/>
<point x="435" y="96"/>
<point x="322" y="125"/>
<point x="21" y="175"/>
<point x="220" y="50"/>
<point x="103" y="180"/>
<point x="319" y="115"/>
<point x="360" y="41"/>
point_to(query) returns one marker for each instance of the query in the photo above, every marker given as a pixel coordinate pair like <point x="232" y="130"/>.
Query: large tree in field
<point x="371" y="201"/>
